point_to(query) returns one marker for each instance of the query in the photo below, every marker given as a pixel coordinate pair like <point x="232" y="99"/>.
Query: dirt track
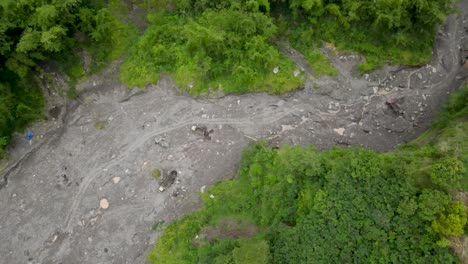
<point x="52" y="189"/>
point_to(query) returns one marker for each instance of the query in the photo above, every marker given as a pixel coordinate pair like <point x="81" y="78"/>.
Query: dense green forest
<point x="33" y="32"/>
<point x="344" y="205"/>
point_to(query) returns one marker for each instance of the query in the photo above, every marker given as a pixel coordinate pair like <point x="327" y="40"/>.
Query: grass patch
<point x="156" y="173"/>
<point x="320" y="64"/>
<point x="300" y="37"/>
<point x="455" y="108"/>
<point x="100" y="125"/>
<point x="380" y="47"/>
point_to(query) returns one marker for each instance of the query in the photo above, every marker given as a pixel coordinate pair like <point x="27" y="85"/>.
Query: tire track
<point x="263" y="119"/>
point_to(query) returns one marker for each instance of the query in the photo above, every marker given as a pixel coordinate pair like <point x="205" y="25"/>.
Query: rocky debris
<point x="3" y="182"/>
<point x="324" y="89"/>
<point x="340" y="131"/>
<point x="333" y="107"/>
<point x="90" y="219"/>
<point x="161" y="142"/>
<point x="54" y="112"/>
<point x="167" y="179"/>
<point x="464" y="51"/>
<point x="285" y="128"/>
<point x="203" y="130"/>
<point x="397" y="125"/>
<point x="56" y="235"/>
<point x="104" y="204"/>
<point x="394" y="106"/>
<point x="179" y="191"/>
<point x="116" y="180"/>
<point x="367" y="91"/>
<point x="342" y="142"/>
<point x="279" y="103"/>
<point x="63" y="181"/>
<point x="366" y="125"/>
<point x="276" y="70"/>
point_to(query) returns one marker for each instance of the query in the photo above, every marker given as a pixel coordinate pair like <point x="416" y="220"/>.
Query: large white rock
<point x="104" y="204"/>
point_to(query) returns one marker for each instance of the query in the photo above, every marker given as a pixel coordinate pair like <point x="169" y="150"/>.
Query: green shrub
<point x="100" y="125"/>
<point x="452" y="221"/>
<point x="385" y="31"/>
<point x="455" y="108"/>
<point x="251" y="252"/>
<point x="21" y="102"/>
<point x="227" y="50"/>
<point x="156" y="173"/>
<point x="447" y="173"/>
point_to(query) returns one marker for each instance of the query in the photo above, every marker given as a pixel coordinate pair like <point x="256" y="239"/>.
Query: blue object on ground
<point x="29" y="135"/>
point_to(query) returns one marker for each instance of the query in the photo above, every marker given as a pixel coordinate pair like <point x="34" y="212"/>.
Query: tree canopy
<point x="32" y="31"/>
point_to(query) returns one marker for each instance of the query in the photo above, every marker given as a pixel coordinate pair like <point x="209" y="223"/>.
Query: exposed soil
<point x="228" y="228"/>
<point x="79" y="194"/>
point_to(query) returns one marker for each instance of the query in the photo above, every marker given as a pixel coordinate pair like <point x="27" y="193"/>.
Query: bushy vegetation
<point x="229" y="45"/>
<point x="21" y="102"/>
<point x="107" y="35"/>
<point x="226" y="49"/>
<point x="33" y="31"/>
<point x="385" y="31"/>
<point x="344" y="205"/>
<point x="156" y="173"/>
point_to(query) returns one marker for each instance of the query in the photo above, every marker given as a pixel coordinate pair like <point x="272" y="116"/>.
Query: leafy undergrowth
<point x="113" y="39"/>
<point x="227" y="45"/>
<point x="410" y="48"/>
<point x="21" y="102"/>
<point x="228" y="50"/>
<point x="308" y="45"/>
<point x="377" y="46"/>
<point x="396" y="32"/>
<point x="343" y="205"/>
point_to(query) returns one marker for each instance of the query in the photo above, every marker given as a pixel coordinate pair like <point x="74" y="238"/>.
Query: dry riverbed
<point x="83" y="191"/>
